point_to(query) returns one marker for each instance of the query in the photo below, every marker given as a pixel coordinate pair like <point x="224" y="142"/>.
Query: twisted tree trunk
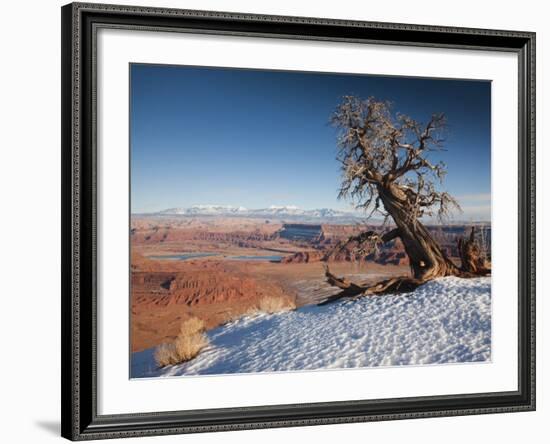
<point x="426" y="258"/>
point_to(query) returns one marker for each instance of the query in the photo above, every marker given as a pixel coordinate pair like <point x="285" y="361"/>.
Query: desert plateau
<point x="219" y="269"/>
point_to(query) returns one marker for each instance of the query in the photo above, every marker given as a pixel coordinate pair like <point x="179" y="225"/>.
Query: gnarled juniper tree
<point x="386" y="169"/>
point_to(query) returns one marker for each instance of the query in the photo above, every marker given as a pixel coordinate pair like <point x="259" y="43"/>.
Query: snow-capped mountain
<point x="205" y="210"/>
<point x="284" y="212"/>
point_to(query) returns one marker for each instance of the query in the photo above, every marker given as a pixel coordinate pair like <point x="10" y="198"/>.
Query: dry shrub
<point x="187" y="347"/>
<point x="191" y="326"/>
<point x="165" y="354"/>
<point x="190" y="341"/>
<point x="270" y="304"/>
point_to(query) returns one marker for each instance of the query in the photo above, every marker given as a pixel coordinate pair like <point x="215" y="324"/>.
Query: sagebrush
<point x="187" y="345"/>
<point x="274" y="305"/>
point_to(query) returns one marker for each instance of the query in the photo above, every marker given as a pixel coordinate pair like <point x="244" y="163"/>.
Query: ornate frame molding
<point x="80" y="21"/>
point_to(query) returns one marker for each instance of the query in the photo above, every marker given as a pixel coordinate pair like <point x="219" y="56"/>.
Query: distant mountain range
<point x="288" y="212"/>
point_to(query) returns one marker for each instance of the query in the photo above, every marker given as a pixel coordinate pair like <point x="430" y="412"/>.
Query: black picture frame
<point x="79" y="170"/>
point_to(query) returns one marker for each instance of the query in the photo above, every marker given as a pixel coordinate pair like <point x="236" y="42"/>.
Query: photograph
<point x="294" y="221"/>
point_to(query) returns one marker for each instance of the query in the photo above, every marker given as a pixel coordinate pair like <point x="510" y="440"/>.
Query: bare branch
<point x="377" y="148"/>
<point x="364" y="242"/>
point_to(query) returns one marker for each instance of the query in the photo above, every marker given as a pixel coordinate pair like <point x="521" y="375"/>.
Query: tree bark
<point x="427" y="260"/>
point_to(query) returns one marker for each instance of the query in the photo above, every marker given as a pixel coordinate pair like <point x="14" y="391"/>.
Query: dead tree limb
<point x="471" y="255"/>
<point x="351" y="290"/>
<point x="372" y="238"/>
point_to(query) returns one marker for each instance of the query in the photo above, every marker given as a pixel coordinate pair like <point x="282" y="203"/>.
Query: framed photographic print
<point x="281" y="221"/>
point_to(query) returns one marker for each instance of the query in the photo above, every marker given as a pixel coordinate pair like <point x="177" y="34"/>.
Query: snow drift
<point x="447" y="320"/>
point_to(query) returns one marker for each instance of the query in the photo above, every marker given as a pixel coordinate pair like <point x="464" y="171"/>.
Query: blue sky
<point x="258" y="138"/>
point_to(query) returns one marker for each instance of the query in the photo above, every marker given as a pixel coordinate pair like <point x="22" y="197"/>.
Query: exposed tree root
<point x="402" y="284"/>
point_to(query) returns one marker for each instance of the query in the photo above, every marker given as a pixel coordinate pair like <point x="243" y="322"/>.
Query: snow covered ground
<point x="444" y="321"/>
